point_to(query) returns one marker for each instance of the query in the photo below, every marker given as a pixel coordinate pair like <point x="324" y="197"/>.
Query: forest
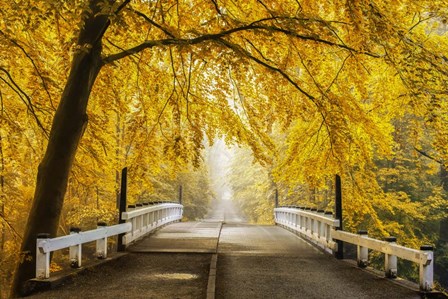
<point x="222" y="97"/>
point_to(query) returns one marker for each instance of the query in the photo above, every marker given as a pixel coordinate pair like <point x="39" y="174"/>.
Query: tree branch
<point x="28" y="103"/>
<point x="34" y="65"/>
<point x="425" y="154"/>
<point x="122" y="5"/>
<point x="219" y="36"/>
<point x="239" y="49"/>
<point x="152" y="22"/>
<point x="215" y="4"/>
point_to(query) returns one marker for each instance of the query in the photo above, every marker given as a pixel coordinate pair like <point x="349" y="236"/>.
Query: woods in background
<point x="312" y="88"/>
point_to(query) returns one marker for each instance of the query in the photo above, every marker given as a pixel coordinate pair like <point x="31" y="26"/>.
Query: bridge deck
<point x="270" y="262"/>
<point x="253" y="262"/>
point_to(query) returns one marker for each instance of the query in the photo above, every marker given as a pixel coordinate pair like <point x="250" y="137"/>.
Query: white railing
<point x="140" y="221"/>
<point x="316" y="228"/>
<point x="74" y="241"/>
<point x="147" y="218"/>
<point x="424" y="257"/>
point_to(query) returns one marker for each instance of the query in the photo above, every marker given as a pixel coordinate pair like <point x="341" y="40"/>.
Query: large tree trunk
<point x="66" y="131"/>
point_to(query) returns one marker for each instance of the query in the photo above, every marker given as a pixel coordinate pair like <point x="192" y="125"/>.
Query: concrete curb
<point x="211" y="286"/>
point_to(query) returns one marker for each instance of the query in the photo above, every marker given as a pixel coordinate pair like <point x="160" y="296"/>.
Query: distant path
<point x="225" y="211"/>
<point x="253" y="261"/>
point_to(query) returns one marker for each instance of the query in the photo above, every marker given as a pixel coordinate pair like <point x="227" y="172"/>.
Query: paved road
<point x="140" y="276"/>
<point x="270" y="262"/>
<point x="253" y="262"/>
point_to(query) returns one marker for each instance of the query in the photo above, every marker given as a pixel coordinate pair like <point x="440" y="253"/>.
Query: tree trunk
<point x="443" y="233"/>
<point x="2" y="211"/>
<point x="440" y="269"/>
<point x="2" y="196"/>
<point x="68" y="126"/>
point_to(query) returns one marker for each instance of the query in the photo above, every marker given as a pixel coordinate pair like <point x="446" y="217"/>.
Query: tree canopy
<point x="314" y="88"/>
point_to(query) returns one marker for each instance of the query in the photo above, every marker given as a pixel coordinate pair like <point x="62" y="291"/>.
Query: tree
<point x="235" y="69"/>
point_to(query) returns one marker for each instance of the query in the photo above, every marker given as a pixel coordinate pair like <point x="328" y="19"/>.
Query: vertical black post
<point x="276" y="198"/>
<point x="338" y="206"/>
<point x="180" y="194"/>
<point x="122" y="205"/>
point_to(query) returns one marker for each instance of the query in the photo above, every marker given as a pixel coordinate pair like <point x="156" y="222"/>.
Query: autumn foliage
<point x="313" y="88"/>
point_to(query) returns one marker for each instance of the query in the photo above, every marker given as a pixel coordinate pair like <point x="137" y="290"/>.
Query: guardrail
<point x="141" y="220"/>
<point x="313" y="225"/>
<point x="320" y="229"/>
<point x="145" y="218"/>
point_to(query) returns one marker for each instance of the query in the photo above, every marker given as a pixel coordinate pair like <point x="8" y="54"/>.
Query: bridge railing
<point x="313" y="226"/>
<point x="145" y="218"/>
<point x="141" y="219"/>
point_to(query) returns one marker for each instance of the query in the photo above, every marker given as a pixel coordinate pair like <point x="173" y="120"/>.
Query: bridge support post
<point x="427" y="271"/>
<point x="276" y="198"/>
<point x="75" y="251"/>
<point x="180" y="194"/>
<point x="363" y="252"/>
<point x="390" y="261"/>
<point x="122" y="206"/>
<point x="339" y="254"/>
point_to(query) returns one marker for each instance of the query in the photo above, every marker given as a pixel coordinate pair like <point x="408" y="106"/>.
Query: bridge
<point x="223" y="256"/>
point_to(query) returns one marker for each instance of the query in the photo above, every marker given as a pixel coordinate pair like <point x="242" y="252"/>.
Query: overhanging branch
<point x="219" y="36"/>
<point x="240" y="50"/>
